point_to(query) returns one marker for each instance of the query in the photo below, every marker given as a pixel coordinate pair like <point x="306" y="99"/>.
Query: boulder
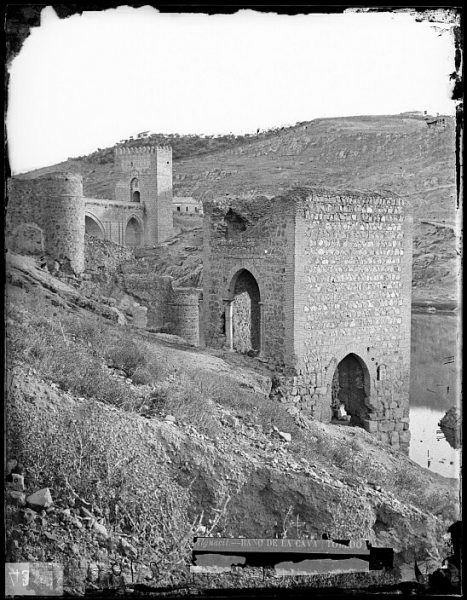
<point x="40" y="499"/>
<point x="28" y="516"/>
<point x="285" y="436"/>
<point x="18" y="497"/>
<point x="101" y="529"/>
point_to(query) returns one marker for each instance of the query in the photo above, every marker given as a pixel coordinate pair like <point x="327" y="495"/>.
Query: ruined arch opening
<point x="133" y="233"/>
<point x="351" y="388"/>
<point x="235" y="224"/>
<point x="135" y="195"/>
<point x="92" y="227"/>
<point x="243" y="314"/>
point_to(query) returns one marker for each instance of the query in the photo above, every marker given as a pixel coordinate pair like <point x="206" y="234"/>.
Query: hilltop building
<point x="187" y="205"/>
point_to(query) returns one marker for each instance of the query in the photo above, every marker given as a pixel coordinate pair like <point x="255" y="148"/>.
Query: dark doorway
<point x="133" y="234"/>
<point x="245" y="314"/>
<point x="350" y="387"/>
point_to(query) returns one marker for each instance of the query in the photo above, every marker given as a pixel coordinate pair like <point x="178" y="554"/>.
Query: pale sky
<point x="90" y="80"/>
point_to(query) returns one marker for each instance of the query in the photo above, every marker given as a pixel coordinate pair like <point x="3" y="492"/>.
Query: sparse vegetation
<point x="224" y="458"/>
<point x="101" y="457"/>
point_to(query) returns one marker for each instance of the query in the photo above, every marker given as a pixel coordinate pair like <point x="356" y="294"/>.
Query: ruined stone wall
<point x="53" y="203"/>
<point x="334" y="273"/>
<point x="151" y="166"/>
<point x="102" y="255"/>
<point x="170" y="310"/>
<point x="264" y="248"/>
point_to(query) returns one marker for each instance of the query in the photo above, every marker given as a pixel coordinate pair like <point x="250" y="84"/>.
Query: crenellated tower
<point x="144" y="177"/>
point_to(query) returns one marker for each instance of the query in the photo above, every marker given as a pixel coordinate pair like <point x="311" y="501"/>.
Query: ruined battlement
<point x="143" y="149"/>
<point x="318" y="282"/>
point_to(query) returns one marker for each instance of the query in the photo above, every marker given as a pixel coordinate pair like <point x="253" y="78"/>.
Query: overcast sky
<point x="91" y="80"/>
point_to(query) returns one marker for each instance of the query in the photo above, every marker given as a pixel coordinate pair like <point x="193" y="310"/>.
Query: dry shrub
<point x="126" y="355"/>
<point x="101" y="455"/>
<point x="189" y="402"/>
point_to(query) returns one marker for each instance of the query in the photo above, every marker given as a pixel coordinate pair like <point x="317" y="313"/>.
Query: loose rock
<point x="40" y="499"/>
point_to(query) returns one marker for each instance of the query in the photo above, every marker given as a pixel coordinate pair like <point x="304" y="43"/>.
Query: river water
<point x="434" y="386"/>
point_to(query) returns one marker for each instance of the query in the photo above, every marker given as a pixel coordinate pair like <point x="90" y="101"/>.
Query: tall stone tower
<point x="144" y="177"/>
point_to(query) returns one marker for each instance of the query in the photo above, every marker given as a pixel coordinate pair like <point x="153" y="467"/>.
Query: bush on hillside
<point x="100" y="456"/>
<point x="126" y="355"/>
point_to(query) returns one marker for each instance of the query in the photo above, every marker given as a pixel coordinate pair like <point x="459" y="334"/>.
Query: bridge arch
<point x="92" y="226"/>
<point x="133" y="232"/>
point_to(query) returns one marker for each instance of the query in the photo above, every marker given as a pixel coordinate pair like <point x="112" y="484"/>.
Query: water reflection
<point x="433" y="389"/>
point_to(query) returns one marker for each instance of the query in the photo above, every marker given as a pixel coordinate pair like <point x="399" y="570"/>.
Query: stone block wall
<point x="112" y="217"/>
<point x="53" y="204"/>
<point x="172" y="310"/>
<point x="151" y="166"/>
<point x="334" y="273"/>
<point x="352" y="295"/>
<point x="255" y="235"/>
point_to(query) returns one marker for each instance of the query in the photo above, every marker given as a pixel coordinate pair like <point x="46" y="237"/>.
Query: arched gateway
<point x="243" y="313"/>
<point x="351" y="387"/>
<point x="133" y="233"/>
<point x="320" y="282"/>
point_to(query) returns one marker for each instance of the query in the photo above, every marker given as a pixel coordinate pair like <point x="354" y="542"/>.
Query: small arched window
<point x="134" y="190"/>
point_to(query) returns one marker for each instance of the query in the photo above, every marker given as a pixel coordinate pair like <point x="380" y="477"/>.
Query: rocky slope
<point x="144" y="442"/>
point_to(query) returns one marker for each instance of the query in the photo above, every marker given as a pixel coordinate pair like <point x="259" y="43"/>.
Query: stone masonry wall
<point x="352" y="295"/>
<point x="152" y="166"/>
<point x="334" y="273"/>
<point x="112" y="217"/>
<point x="259" y="238"/>
<point x="174" y="311"/>
<point x="54" y="203"/>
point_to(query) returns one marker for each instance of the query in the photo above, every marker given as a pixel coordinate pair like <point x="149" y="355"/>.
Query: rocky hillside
<point x="143" y="442"/>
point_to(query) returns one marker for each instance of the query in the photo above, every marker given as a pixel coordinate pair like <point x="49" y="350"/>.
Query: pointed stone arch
<point x="133" y="232"/>
<point x="351" y="386"/>
<point x="92" y="226"/>
<point x="243" y="319"/>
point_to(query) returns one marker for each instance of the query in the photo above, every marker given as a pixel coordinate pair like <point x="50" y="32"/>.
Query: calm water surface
<point x="433" y="389"/>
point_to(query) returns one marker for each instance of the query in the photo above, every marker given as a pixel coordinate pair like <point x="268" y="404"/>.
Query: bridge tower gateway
<point x="317" y="283"/>
<point x="144" y="177"/>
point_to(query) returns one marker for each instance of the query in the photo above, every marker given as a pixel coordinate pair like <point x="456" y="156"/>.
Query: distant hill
<point x="397" y="152"/>
<point x="402" y="153"/>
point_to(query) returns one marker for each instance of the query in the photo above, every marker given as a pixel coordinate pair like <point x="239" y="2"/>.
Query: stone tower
<point x="318" y="284"/>
<point x="45" y="216"/>
<point x="144" y="177"/>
